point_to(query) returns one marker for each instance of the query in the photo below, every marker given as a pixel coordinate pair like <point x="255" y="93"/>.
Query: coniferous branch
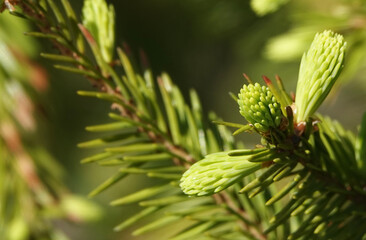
<point x="31" y="188"/>
<point x="146" y="140"/>
<point x="324" y="192"/>
<point x="327" y="165"/>
<point x="21" y="186"/>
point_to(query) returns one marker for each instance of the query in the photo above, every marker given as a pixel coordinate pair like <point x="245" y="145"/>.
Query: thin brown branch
<point x="179" y="152"/>
<point x="245" y="222"/>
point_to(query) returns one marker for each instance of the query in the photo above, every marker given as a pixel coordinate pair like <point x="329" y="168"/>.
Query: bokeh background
<point x="205" y="45"/>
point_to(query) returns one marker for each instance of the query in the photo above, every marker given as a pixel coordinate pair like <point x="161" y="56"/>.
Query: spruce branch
<point x="320" y="146"/>
<point x="31" y="188"/>
<point x="302" y="152"/>
<point x="129" y="102"/>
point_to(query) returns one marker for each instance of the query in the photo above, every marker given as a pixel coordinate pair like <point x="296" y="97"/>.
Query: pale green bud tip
<point x="263" y="7"/>
<point x="81" y="208"/>
<point x="215" y="173"/>
<point x="259" y="107"/>
<point x="319" y="69"/>
<point x="99" y="19"/>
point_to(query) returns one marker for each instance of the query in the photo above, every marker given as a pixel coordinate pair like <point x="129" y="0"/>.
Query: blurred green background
<point x="202" y="44"/>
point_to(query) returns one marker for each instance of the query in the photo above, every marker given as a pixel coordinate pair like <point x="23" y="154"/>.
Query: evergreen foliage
<point x="305" y="180"/>
<point x="32" y="193"/>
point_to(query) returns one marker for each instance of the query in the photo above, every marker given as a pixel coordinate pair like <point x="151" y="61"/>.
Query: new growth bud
<point x="216" y="172"/>
<point x="319" y="69"/>
<point x="263" y="7"/>
<point x="99" y="19"/>
<point x="259" y="107"/>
